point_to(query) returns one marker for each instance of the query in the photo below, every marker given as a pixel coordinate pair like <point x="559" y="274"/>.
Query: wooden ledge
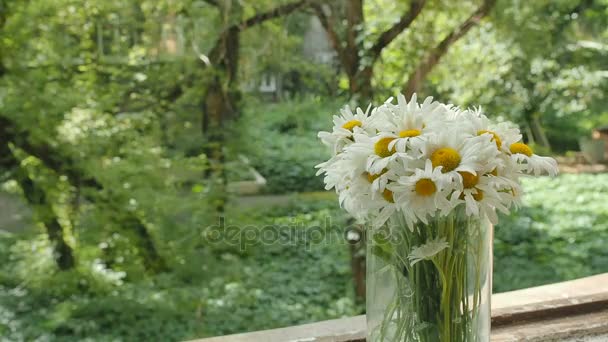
<point x="336" y="330"/>
<point x="579" y="328"/>
<point x="593" y="285"/>
<point x="575" y="310"/>
<point x="568" y="311"/>
<point x="550" y="309"/>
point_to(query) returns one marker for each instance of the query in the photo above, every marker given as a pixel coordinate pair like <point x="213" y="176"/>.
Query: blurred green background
<point x="156" y="156"/>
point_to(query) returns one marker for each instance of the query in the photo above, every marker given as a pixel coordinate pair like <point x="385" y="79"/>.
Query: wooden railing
<point x="570" y="311"/>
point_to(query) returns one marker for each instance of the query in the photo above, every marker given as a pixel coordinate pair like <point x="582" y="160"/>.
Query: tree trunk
<point x="34" y="194"/>
<point x="64" y="165"/>
<point x="361" y="85"/>
<point x="37" y="199"/>
<point x="529" y="133"/>
<point x="357" y="264"/>
<point x="349" y="48"/>
<point x="540" y="131"/>
<point x="535" y="131"/>
<point x="3" y="16"/>
<point x="219" y="106"/>
<point x="145" y="244"/>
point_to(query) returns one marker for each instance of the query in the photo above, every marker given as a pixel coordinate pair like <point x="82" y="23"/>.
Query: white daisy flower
<point x="505" y="179"/>
<point x="457" y="152"/>
<point x="481" y="197"/>
<point x="427" y="251"/>
<point x="345" y="125"/>
<point x="530" y="162"/>
<point x="361" y="200"/>
<point x="379" y="206"/>
<point x="336" y="172"/>
<point x="476" y="123"/>
<point x="375" y="149"/>
<point x="401" y="166"/>
<point x="387" y="209"/>
<point x="421" y="161"/>
<point x="355" y="197"/>
<point x="406" y="120"/>
<point x="423" y="193"/>
<point x="446" y="115"/>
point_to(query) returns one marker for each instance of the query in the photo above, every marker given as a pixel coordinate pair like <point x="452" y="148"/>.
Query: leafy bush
<point x="281" y="141"/>
<point x="559" y="234"/>
<point x="223" y="289"/>
<point x="292" y="280"/>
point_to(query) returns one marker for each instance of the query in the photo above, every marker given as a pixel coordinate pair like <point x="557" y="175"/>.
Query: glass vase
<point x="430" y="283"/>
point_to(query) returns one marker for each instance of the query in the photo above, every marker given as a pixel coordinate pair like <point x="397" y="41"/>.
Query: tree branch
<point x="37" y="198"/>
<point x="404" y="22"/>
<point x="77" y="177"/>
<point x="276" y="12"/>
<point x="354" y="19"/>
<point x="328" y="25"/>
<point x="432" y="59"/>
<point x="213" y="3"/>
<point x="216" y="53"/>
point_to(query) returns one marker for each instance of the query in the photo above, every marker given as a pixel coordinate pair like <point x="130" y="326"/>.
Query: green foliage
<point x="264" y="285"/>
<point x="267" y="284"/>
<point x="286" y="148"/>
<point x="402" y="56"/>
<point x="301" y="277"/>
<point x="548" y="78"/>
<point x="559" y="234"/>
<point x="111" y="91"/>
<point x="541" y="64"/>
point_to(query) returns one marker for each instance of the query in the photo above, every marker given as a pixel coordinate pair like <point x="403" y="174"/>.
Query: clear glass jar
<point x="431" y="283"/>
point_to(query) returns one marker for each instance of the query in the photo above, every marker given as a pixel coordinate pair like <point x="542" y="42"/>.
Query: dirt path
<point x="269" y="200"/>
<point x="583" y="168"/>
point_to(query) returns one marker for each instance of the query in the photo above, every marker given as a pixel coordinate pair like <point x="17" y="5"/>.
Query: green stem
<point x="432" y="298"/>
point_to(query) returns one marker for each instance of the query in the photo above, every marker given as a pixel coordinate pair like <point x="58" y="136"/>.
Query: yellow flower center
<point x="381" y="147"/>
<point x="350" y="125"/>
<point x="388" y="195"/>
<point x="446" y="157"/>
<point x="469" y="180"/>
<point x="478" y="196"/>
<point x="372" y="177"/>
<point x="521" y="148"/>
<point x="409" y="133"/>
<point x="495" y="137"/>
<point x="425" y="187"/>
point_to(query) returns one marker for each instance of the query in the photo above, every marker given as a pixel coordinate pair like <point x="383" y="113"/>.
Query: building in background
<point x="316" y="49"/>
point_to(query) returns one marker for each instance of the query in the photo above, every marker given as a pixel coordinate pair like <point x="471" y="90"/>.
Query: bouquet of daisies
<point x="426" y="178"/>
<point x="425" y="160"/>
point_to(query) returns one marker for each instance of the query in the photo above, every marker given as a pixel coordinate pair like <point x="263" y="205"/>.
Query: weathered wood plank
<point x="566" y="307"/>
<point x="586" y="327"/>
<point x="574" y="288"/>
<point x="570" y="311"/>
<point x="337" y="330"/>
